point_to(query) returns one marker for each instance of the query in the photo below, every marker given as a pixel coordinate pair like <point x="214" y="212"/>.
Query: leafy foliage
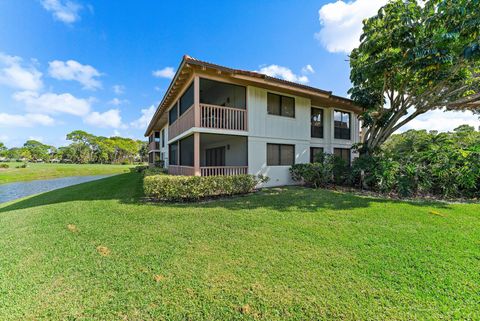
<point x="37" y="150"/>
<point x="327" y="169"/>
<point x="184" y="188"/>
<point x="414" y="59"/>
<point x="421" y="162"/>
<point x="84" y="148"/>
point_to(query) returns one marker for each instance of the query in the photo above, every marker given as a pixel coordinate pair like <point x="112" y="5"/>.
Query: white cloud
<point x="166" y="72"/>
<point x="115" y="101"/>
<point x="308" y="69"/>
<point x="27" y="120"/>
<point x="342" y="23"/>
<point x="14" y="75"/>
<point x="144" y="120"/>
<point x="50" y="103"/>
<point x="283" y="73"/>
<point x="111" y="118"/>
<point x="37" y="138"/>
<point x="118" y="89"/>
<point x="64" y="11"/>
<point x="73" y="70"/>
<point x="442" y="121"/>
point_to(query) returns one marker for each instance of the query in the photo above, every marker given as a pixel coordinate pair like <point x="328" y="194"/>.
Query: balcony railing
<point x="223" y="170"/>
<point x="183" y="123"/>
<point x="181" y="170"/>
<point x="154" y="146"/>
<point x="219" y="117"/>
<point x="209" y="116"/>
<point x="208" y="170"/>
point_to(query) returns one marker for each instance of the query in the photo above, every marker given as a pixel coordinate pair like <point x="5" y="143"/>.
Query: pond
<point x="11" y="191"/>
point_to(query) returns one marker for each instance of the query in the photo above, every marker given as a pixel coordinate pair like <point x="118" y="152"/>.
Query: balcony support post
<point x="196" y="154"/>
<point x="196" y="100"/>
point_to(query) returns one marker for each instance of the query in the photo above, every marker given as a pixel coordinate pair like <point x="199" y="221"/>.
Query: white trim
<point x="208" y="131"/>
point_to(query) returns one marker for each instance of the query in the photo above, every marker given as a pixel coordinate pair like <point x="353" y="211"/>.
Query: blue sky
<point x="101" y="65"/>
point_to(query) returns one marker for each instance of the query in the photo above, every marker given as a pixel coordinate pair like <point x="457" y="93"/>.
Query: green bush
<point x="327" y="169"/>
<point x="188" y="188"/>
<point x="154" y="171"/>
<point x="374" y="173"/>
<point x="139" y="168"/>
<point x="4" y="166"/>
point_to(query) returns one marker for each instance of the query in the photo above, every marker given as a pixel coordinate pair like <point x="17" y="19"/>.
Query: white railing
<point x="219" y="117"/>
<point x="223" y="170"/>
<point x="181" y="170"/>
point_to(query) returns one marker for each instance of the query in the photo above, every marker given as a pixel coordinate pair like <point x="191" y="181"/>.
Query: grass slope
<point x="93" y="251"/>
<point x="45" y="170"/>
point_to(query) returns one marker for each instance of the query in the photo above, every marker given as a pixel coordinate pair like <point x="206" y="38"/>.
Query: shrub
<point x="188" y="188"/>
<point x="4" y="166"/>
<point x="327" y="169"/>
<point x="154" y="171"/>
<point x="139" y="168"/>
<point x="374" y="173"/>
<point x="24" y="165"/>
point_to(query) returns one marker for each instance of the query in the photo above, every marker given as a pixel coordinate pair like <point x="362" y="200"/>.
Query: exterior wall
<point x="249" y="147"/>
<point x="264" y="128"/>
<point x="235" y="155"/>
<point x="164" y="150"/>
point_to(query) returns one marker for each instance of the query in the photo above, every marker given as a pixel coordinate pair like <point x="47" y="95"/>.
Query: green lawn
<point x="44" y="171"/>
<point x="281" y="254"/>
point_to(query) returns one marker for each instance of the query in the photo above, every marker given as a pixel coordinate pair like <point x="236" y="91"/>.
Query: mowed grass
<point x="36" y="171"/>
<point x="96" y="252"/>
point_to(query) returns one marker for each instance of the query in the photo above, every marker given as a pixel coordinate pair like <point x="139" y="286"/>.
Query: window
<point x="280" y="155"/>
<point x="222" y="94"/>
<point x="150" y="138"/>
<point x="186" y="101"/>
<point x="343" y="153"/>
<point x="157" y="137"/>
<point x="341" y="124"/>
<point x="315" y="152"/>
<point x="316" y="122"/>
<point x="280" y="105"/>
<point x="173" y="114"/>
<point x="173" y="153"/>
<point x="150" y="158"/>
<point x="163" y="137"/>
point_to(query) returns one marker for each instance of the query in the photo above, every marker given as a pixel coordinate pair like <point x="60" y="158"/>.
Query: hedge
<point x="154" y="171"/>
<point x="188" y="188"/>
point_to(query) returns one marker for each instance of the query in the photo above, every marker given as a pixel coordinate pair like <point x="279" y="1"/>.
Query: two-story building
<point x="215" y="120"/>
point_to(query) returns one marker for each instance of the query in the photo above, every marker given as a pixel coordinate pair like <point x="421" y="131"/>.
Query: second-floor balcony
<point x="153" y="146"/>
<point x="209" y="104"/>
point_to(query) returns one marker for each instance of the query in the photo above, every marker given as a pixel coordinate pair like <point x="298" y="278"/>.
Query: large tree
<point x="38" y="150"/>
<point x="413" y="59"/>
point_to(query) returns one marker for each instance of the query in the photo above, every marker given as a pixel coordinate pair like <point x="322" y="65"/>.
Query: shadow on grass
<point x="307" y="199"/>
<point x="127" y="189"/>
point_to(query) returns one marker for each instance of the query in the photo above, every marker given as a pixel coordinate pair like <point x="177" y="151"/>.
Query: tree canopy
<point x="84" y="148"/>
<point x="413" y="59"/>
